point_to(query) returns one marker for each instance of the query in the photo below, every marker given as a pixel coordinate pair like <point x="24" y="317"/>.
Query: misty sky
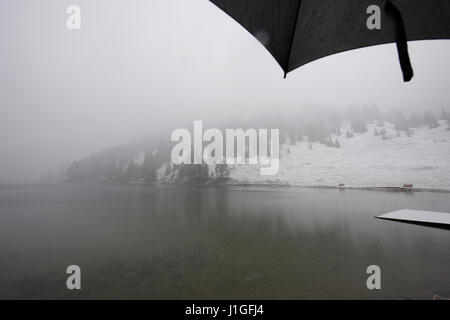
<point x="138" y="66"/>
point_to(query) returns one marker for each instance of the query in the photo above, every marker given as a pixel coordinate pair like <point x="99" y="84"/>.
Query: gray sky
<point x="138" y="66"/>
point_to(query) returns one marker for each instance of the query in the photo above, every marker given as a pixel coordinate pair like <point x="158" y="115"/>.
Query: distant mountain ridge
<point x="359" y="149"/>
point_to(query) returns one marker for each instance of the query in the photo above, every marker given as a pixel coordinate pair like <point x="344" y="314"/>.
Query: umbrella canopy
<point x="296" y="32"/>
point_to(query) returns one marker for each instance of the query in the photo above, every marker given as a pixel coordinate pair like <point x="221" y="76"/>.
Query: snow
<point x="363" y="161"/>
<point x="418" y="216"/>
<point x="166" y="173"/>
<point x="212" y="170"/>
<point x="139" y="159"/>
<point x="161" y="173"/>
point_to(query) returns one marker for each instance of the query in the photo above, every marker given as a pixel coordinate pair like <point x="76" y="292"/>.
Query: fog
<point x="140" y="66"/>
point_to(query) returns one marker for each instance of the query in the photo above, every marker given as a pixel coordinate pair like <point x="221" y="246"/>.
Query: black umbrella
<point x="300" y="31"/>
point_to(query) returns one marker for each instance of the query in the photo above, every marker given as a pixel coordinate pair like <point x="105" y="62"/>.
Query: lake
<point x="169" y="242"/>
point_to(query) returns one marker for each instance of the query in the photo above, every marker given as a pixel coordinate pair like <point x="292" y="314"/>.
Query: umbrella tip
<point x="285" y="74"/>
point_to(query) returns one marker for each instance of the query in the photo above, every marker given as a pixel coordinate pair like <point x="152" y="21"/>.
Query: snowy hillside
<point x="329" y="153"/>
<point x="366" y="160"/>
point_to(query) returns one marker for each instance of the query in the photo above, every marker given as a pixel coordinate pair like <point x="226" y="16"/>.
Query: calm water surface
<point x="206" y="243"/>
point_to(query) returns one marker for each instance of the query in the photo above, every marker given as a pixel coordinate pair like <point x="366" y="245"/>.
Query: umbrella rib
<point x="286" y="69"/>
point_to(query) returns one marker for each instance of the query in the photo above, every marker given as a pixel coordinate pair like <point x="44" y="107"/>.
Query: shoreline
<point x="234" y="183"/>
<point x="367" y="188"/>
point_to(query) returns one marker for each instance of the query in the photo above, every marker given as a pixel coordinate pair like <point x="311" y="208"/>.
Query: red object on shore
<point x="341" y="185"/>
<point x="408" y="185"/>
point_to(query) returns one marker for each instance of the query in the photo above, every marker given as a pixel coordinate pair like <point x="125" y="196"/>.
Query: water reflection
<point x="197" y="243"/>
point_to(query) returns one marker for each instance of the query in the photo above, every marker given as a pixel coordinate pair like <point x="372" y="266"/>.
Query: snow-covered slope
<point x="365" y="160"/>
<point x="393" y="159"/>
